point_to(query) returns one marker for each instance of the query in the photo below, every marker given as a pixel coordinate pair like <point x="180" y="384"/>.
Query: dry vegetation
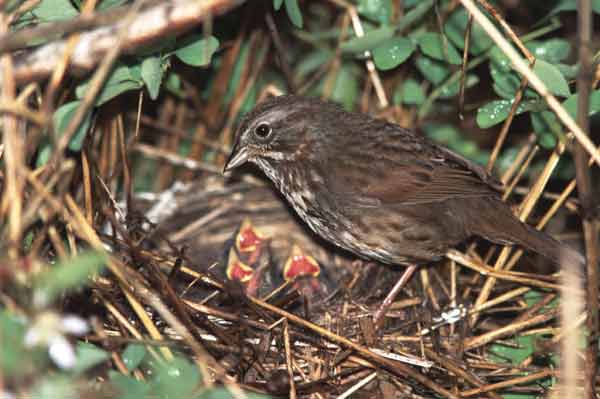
<point x="132" y="268"/>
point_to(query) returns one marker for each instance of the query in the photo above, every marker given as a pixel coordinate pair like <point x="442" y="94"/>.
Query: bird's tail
<point x="557" y="252"/>
<point x="498" y="224"/>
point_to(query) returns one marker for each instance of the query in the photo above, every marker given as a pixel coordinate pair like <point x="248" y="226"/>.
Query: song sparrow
<point x="376" y="189"/>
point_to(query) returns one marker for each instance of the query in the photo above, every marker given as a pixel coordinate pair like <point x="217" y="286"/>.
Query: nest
<point x="278" y="310"/>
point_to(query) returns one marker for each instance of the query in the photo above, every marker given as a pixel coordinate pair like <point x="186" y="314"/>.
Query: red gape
<point x="299" y="264"/>
<point x="238" y="270"/>
<point x="248" y="238"/>
<point x="249" y="242"/>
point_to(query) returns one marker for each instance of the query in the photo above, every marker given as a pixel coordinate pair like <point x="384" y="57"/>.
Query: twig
<point x="509" y="383"/>
<point x="459" y="371"/>
<point x="571" y="307"/>
<point x="288" y="358"/>
<point x="510" y="329"/>
<point x="463" y="68"/>
<point x="525" y="210"/>
<point x="585" y="192"/>
<point x="496" y="274"/>
<point x="165" y="18"/>
<point x="96" y="84"/>
<point x="13" y="155"/>
<point x="281" y="53"/>
<point x="373" y="74"/>
<point x="394" y="367"/>
<point x="513" y="36"/>
<point x="175" y="159"/>
<point x="358" y="386"/>
<point x="522" y="67"/>
<point x="16" y="108"/>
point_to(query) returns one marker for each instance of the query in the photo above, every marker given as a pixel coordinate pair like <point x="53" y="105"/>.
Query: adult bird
<point x="376" y="189"/>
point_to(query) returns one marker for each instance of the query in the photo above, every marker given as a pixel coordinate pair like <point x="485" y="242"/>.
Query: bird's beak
<point x="239" y="156"/>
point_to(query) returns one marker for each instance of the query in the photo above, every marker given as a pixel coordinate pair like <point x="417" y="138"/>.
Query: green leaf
<point x="26" y="20"/>
<point x="66" y="275"/>
<point x="108" y="4"/>
<point x="129" y="387"/>
<point x="455" y="28"/>
<point x="410" y="92"/>
<point x="421" y="9"/>
<point x="250" y="100"/>
<point x="568" y="71"/>
<point x="165" y="47"/>
<point x="570" y="104"/>
<point x="173" y="84"/>
<point x="309" y="63"/>
<point x="433" y="45"/>
<point x="571" y="5"/>
<point x="133" y="356"/>
<point x="506" y="83"/>
<point x="525" y="346"/>
<point x="119" y="81"/>
<point x="175" y="379"/>
<point x="533" y="297"/>
<point x="54" y="387"/>
<point x="44" y="153"/>
<point x="12" y="330"/>
<point x="120" y="73"/>
<point x="547" y="140"/>
<point x="88" y="356"/>
<point x="552" y="78"/>
<point x="152" y="74"/>
<point x="236" y="74"/>
<point x="376" y="10"/>
<point x="450" y="136"/>
<point x="293" y="11"/>
<point x="277" y="4"/>
<point x="552" y="50"/>
<point x="392" y="53"/>
<point x="112" y="91"/>
<point x="197" y="51"/>
<point x="432" y="70"/>
<point x="544" y="122"/>
<point x="500" y="60"/>
<point x="548" y="73"/>
<point x="547" y="128"/>
<point x="369" y="41"/>
<point x="62" y="117"/>
<point x="452" y="89"/>
<point x="497" y="111"/>
<point x="55" y="10"/>
<point x="345" y="89"/>
<point x="445" y="133"/>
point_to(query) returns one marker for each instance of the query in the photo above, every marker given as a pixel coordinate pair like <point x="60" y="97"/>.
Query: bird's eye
<point x="263" y="130"/>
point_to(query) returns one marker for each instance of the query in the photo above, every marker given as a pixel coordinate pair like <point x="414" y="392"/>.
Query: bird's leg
<point x="389" y="299"/>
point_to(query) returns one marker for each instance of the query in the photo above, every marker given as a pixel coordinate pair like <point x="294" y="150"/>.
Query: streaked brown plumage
<point x="376" y="189"/>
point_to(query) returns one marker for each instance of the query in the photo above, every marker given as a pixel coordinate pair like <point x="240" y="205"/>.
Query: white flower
<point x="7" y="395"/>
<point x="49" y="329"/>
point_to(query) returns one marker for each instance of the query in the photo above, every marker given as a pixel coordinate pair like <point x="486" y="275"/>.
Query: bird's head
<point x="284" y="128"/>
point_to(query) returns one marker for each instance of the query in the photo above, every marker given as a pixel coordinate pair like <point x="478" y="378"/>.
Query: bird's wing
<point x="432" y="175"/>
<point x="418" y="184"/>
